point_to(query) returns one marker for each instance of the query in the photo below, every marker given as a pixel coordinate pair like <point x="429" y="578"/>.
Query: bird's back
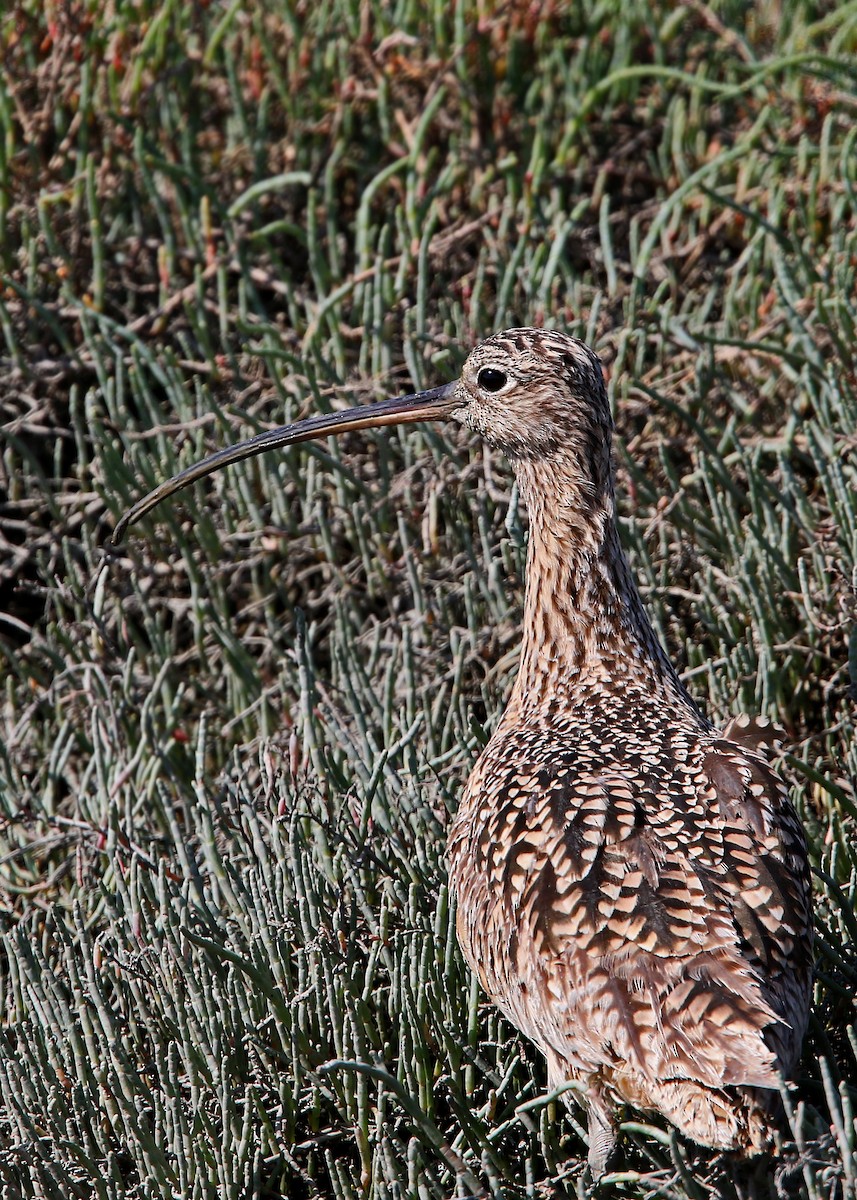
<point x="633" y="893"/>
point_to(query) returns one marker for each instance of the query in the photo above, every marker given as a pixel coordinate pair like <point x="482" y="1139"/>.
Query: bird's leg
<point x="602" y="1136"/>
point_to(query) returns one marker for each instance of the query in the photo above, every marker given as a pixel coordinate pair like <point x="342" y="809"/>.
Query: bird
<point x="632" y="884"/>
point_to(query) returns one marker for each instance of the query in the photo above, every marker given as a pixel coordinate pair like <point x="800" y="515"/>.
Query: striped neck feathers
<point x="584" y="626"/>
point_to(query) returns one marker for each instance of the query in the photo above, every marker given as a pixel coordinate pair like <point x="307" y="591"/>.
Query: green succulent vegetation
<point x="230" y="751"/>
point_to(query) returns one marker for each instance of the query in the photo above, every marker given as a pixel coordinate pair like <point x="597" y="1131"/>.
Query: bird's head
<point x="532" y="393"/>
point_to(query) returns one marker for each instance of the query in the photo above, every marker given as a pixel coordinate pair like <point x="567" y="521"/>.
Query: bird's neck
<point x="586" y="633"/>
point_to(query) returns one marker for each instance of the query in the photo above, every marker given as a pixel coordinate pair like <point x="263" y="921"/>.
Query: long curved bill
<point x="433" y="405"/>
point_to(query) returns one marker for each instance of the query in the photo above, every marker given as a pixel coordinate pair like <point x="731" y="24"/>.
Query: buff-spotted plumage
<point x="632" y="885"/>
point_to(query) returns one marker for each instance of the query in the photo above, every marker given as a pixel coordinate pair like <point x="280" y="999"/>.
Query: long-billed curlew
<point x="632" y="886"/>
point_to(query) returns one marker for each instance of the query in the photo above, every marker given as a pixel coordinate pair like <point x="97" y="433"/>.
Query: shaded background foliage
<point x="228" y="756"/>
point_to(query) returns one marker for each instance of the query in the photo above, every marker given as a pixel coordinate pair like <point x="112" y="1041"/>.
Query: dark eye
<point x="491" y="380"/>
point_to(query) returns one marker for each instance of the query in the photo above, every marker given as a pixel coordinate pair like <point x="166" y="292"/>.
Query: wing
<point x="769" y="887"/>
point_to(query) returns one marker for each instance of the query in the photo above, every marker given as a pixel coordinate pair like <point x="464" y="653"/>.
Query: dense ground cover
<point x="229" y="756"/>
